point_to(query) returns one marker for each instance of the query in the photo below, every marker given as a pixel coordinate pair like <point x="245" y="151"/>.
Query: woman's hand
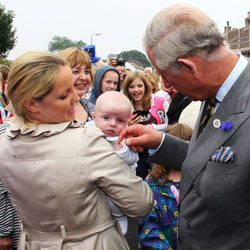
<point x="138" y="137"/>
<point x="135" y="119"/>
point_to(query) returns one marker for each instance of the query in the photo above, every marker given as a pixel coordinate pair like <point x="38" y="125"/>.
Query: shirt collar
<point x="231" y="79"/>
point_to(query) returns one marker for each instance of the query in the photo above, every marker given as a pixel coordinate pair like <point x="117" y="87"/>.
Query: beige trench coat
<point x="58" y="177"/>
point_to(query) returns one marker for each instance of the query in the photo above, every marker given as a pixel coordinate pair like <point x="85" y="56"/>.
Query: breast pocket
<point x="228" y="168"/>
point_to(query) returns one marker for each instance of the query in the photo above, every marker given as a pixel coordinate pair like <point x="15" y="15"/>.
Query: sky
<point x="120" y="23"/>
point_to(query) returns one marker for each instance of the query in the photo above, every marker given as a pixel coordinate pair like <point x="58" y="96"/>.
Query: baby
<point x="111" y="114"/>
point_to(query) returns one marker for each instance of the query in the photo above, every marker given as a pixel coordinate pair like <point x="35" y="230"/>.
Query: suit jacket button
<point x="188" y="224"/>
<point x="198" y="194"/>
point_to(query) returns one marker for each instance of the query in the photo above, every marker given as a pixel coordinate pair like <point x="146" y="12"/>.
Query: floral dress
<point x="158" y="230"/>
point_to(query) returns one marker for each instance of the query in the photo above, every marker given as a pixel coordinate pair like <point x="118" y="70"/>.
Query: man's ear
<point x="190" y="65"/>
<point x="31" y="105"/>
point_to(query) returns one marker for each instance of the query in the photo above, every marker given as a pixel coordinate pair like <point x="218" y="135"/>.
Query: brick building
<point x="239" y="39"/>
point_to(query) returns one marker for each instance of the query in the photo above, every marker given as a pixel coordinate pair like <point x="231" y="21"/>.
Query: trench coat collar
<point x="18" y="127"/>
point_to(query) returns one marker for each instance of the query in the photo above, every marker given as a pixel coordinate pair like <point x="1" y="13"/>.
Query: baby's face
<point x="111" y="121"/>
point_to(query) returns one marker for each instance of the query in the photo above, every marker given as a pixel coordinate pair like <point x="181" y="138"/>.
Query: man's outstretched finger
<point x="130" y="131"/>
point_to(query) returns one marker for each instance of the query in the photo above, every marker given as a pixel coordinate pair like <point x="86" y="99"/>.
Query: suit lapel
<point x="233" y="108"/>
<point x="197" y="125"/>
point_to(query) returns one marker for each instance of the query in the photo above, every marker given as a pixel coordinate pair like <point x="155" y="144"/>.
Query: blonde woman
<point x="57" y="172"/>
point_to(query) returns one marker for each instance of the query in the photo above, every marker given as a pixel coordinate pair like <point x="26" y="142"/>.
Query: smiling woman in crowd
<point x="80" y="64"/>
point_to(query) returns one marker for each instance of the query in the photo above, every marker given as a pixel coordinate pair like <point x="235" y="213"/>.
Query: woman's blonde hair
<point x="154" y="79"/>
<point x="181" y="131"/>
<point x="146" y="103"/>
<point x="32" y="76"/>
<point x="75" y="56"/>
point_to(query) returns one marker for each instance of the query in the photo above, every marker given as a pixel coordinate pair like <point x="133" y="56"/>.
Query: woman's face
<point x="136" y="90"/>
<point x="59" y="105"/>
<point x="82" y="79"/>
<point x="109" y="81"/>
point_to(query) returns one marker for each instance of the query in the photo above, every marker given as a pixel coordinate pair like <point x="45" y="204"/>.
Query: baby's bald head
<point x="112" y="112"/>
<point x="113" y="100"/>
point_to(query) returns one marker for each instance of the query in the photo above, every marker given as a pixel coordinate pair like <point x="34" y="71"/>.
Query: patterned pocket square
<point x="223" y="155"/>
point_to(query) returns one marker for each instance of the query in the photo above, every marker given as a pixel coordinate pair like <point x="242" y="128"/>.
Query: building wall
<point x="239" y="39"/>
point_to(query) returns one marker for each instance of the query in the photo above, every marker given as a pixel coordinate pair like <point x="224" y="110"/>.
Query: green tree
<point x="136" y="57"/>
<point x="5" y="62"/>
<point x="60" y="43"/>
<point x="7" y="31"/>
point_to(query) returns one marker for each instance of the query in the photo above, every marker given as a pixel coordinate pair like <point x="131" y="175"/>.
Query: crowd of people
<point x="88" y="146"/>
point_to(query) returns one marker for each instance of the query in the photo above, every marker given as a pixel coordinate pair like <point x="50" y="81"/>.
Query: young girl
<point x="158" y="230"/>
<point x="106" y="78"/>
<point x="149" y="110"/>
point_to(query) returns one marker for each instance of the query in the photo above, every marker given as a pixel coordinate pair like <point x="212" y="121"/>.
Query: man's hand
<point x="5" y="243"/>
<point x="139" y="137"/>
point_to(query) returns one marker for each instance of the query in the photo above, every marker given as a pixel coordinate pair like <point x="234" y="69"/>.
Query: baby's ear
<point x="93" y="114"/>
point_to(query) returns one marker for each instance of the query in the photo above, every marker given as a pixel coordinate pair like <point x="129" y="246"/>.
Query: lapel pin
<point x="216" y="123"/>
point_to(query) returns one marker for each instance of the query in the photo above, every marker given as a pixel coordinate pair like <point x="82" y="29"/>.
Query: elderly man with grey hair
<point x="187" y="49"/>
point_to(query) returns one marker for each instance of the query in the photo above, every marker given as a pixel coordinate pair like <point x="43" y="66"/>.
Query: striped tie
<point x="210" y="109"/>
